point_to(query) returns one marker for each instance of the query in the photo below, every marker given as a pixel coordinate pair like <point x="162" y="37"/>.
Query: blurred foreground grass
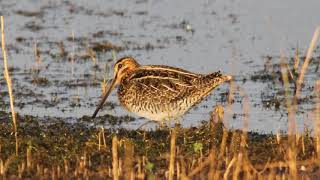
<point x="64" y="150"/>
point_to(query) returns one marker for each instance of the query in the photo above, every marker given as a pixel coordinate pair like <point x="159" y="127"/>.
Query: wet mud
<point x="59" y="142"/>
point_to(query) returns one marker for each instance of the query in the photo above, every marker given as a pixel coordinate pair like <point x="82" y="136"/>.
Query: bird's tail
<point x="218" y="76"/>
<point x="215" y="79"/>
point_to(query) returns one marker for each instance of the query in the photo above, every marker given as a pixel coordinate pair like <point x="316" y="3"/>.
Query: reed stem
<point x="9" y="84"/>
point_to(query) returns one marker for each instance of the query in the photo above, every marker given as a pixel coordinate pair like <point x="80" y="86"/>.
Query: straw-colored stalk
<point x="306" y="62"/>
<point x="296" y="60"/>
<point x="223" y="144"/>
<point x="242" y="156"/>
<point x="73" y="53"/>
<point x="317" y="118"/>
<point x="21" y="169"/>
<point x="178" y="170"/>
<point x="4" y="165"/>
<point x="217" y="118"/>
<point x="101" y="139"/>
<point x="278" y="136"/>
<point x="290" y="73"/>
<point x="9" y="83"/>
<point x="225" y="123"/>
<point x="221" y="155"/>
<point x="212" y="166"/>
<point x="303" y="147"/>
<point x="114" y="55"/>
<point x="172" y="153"/>
<point x="227" y="172"/>
<point x="104" y="86"/>
<point x="245" y="118"/>
<point x="29" y="157"/>
<point x="290" y="109"/>
<point x="115" y="161"/>
<point x="92" y="55"/>
<point x="128" y="160"/>
<point x="198" y="169"/>
<point x="37" y="55"/>
<point x="140" y="172"/>
<point x="291" y="152"/>
<point x="238" y="166"/>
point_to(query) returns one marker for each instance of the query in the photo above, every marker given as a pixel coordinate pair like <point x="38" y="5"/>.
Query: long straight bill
<point x="104" y="98"/>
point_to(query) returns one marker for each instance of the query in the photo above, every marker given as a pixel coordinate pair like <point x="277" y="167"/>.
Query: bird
<point x="159" y="92"/>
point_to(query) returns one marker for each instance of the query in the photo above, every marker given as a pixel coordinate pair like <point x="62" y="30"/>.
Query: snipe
<point x="159" y="92"/>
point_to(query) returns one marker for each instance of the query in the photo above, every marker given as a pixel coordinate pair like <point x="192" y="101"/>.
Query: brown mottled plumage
<point x="159" y="92"/>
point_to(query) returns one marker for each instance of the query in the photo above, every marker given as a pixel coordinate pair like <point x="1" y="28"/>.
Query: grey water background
<point x="201" y="36"/>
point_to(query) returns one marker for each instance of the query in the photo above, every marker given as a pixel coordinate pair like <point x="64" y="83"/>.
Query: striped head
<point x="122" y="67"/>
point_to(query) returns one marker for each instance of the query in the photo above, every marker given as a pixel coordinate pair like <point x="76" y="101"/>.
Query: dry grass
<point x="306" y="62"/>
<point x="292" y="102"/>
<point x="37" y="55"/>
<point x="172" y="153"/>
<point x="9" y="84"/>
<point x="317" y="118"/>
<point x="115" y="160"/>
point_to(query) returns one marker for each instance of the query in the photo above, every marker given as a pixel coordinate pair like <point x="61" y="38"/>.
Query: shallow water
<point x="200" y="36"/>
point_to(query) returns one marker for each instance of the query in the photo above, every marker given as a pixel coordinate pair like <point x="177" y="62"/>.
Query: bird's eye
<point x="119" y="66"/>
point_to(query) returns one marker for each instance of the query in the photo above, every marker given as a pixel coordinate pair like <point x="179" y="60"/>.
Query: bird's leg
<point x="177" y="121"/>
<point x="145" y="124"/>
<point x="162" y="124"/>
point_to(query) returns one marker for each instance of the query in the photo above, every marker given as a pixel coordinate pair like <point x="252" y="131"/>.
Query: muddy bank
<point x="58" y="143"/>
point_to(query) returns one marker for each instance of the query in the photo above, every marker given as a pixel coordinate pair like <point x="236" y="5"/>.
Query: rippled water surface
<point x="241" y="38"/>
